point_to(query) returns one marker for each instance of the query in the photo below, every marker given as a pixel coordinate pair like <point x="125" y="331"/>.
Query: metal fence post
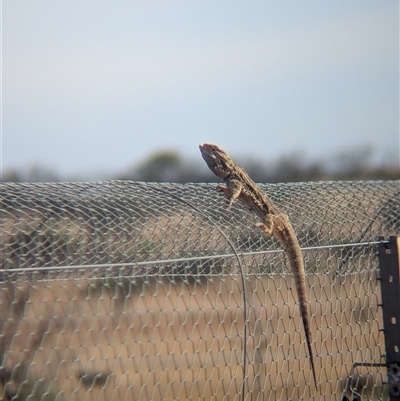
<point x="389" y="267"/>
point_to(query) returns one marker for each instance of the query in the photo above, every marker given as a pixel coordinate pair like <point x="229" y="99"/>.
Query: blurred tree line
<point x="170" y="166"/>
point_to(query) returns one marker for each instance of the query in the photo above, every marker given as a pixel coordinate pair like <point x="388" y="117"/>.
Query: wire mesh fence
<point x="137" y="291"/>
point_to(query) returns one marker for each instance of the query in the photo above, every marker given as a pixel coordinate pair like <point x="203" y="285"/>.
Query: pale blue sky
<point x="96" y="86"/>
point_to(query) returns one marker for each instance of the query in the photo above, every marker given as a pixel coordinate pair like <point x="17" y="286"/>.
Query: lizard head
<point x="218" y="161"/>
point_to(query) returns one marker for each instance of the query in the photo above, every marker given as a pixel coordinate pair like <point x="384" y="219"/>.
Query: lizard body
<point x="272" y="221"/>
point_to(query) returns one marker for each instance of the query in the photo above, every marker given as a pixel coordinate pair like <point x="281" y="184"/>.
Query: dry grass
<point x="164" y="339"/>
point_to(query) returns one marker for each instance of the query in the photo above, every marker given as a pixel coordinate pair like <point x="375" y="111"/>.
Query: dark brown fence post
<point x="389" y="266"/>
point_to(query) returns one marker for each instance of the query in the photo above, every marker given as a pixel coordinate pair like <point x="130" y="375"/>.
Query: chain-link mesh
<point x="138" y="291"/>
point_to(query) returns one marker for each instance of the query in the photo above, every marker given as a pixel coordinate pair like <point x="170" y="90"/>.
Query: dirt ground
<point x="174" y="339"/>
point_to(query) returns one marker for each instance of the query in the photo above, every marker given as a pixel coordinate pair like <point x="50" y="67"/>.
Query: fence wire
<point x="136" y="291"/>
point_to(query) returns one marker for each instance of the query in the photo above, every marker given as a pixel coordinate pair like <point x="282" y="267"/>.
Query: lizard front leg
<point x="232" y="190"/>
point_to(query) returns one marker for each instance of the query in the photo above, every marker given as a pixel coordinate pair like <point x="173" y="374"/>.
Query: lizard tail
<point x="289" y="242"/>
<point x="305" y="319"/>
<point x="300" y="280"/>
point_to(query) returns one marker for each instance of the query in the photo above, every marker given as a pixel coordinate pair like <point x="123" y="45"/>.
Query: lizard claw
<point x="264" y="228"/>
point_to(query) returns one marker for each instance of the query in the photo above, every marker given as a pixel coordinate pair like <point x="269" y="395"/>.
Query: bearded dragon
<point x="272" y="221"/>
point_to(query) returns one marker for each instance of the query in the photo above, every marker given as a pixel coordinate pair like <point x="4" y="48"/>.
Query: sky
<point x="94" y="87"/>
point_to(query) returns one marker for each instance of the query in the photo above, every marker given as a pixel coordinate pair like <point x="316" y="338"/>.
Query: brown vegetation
<point x="166" y="338"/>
